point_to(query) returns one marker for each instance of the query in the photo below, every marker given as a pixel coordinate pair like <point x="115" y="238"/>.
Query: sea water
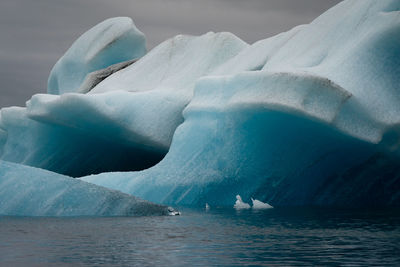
<point x="223" y="237"/>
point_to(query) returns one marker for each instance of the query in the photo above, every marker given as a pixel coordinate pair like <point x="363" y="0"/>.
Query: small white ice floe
<point x="207" y="206"/>
<point x="239" y="204"/>
<point x="172" y="212"/>
<point x="257" y="204"/>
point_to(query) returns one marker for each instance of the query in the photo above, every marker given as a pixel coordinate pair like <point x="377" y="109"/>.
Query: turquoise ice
<point x="28" y="191"/>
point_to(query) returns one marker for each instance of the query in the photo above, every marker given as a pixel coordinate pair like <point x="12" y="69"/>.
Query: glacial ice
<point x="28" y="191"/>
<point x="308" y="117"/>
<point x="112" y="41"/>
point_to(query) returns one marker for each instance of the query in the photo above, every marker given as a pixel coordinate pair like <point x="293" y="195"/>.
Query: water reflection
<point x="280" y="237"/>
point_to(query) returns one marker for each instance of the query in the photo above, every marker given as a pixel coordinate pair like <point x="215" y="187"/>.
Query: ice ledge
<point x="28" y="191"/>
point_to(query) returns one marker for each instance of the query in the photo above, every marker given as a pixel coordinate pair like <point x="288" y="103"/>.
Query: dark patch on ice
<point x="94" y="78"/>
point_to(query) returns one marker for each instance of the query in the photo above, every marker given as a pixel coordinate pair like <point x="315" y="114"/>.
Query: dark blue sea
<point x="218" y="237"/>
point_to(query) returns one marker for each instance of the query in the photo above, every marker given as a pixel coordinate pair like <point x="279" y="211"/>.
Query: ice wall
<point x="242" y="138"/>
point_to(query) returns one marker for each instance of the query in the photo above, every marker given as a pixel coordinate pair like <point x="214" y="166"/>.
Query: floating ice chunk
<point x="111" y="41"/>
<point x="257" y="204"/>
<point x="239" y="204"/>
<point x="173" y="212"/>
<point x="27" y="191"/>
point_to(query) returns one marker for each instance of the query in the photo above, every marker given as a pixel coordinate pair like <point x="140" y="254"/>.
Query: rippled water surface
<point x="277" y="237"/>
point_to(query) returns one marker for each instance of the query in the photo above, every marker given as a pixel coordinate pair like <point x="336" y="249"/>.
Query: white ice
<point x="112" y="41"/>
<point x="257" y="204"/>
<point x="239" y="204"/>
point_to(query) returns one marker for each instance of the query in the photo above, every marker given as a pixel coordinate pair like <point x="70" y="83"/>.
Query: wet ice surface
<point x="282" y="237"/>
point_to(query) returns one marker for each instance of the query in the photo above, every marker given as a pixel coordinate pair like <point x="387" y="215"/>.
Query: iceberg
<point x="28" y="191"/>
<point x="308" y="117"/>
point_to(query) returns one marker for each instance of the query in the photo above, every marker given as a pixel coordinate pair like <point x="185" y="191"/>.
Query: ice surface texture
<point x="304" y="118"/>
<point x="27" y="191"/>
<point x="112" y="41"/>
<point x="118" y="129"/>
<point x="308" y="117"/>
<point x="68" y="150"/>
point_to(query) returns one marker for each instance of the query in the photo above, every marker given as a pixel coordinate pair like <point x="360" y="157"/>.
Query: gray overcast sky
<point x="35" y="33"/>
